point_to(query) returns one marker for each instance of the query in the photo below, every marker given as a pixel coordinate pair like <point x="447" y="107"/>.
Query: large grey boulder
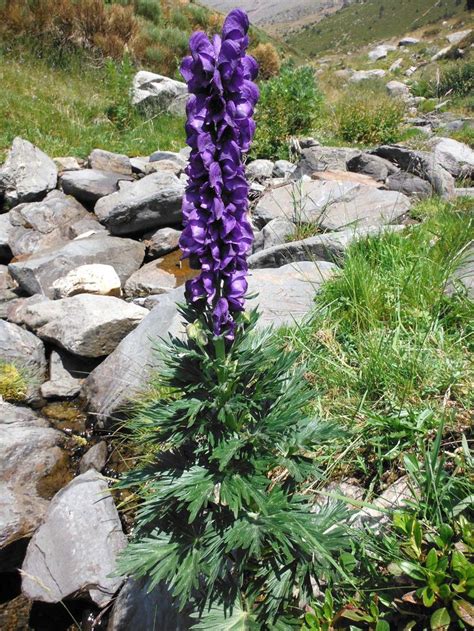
<point x="458" y="36"/>
<point x="108" y="161"/>
<point x="380" y="52"/>
<point x="74" y="552"/>
<point x="89" y="185"/>
<point x="29" y="452"/>
<point x="26" y="352"/>
<point x="285" y="296"/>
<point x="332" y="205"/>
<point x="149" y="279"/>
<point x="318" y="158"/>
<point x="151" y="202"/>
<point x="409" y="184"/>
<point x="331" y="246"/>
<point x="86" y="325"/>
<point x="398" y="89"/>
<point x="153" y="94"/>
<point x="365" y="75"/>
<point x="27" y="174"/>
<point x="259" y="169"/>
<point x="98" y="279"/>
<point x="373" y="166"/>
<point x="420" y="163"/>
<point x="45" y="224"/>
<point x="37" y="274"/>
<point x="5" y="229"/>
<point x="456" y="157"/>
<point x="141" y="609"/>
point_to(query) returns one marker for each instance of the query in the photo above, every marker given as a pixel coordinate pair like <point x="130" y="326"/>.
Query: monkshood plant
<point x="221" y="519"/>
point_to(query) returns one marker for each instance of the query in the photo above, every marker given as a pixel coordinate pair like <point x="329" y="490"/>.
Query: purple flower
<point x="220" y="129"/>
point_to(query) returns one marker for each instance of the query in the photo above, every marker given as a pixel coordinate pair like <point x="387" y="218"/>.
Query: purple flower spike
<point x="220" y="129"/>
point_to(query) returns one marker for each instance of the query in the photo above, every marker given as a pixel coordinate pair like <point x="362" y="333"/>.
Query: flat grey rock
<point x="283" y="168"/>
<point x="364" y="75"/>
<point x="149" y="279"/>
<point x="74" y="551"/>
<point x="25" y="351"/>
<point x="456" y="157"/>
<point x="285" y="296"/>
<point x="36" y="275"/>
<point x="29" y="452"/>
<point x="140" y="609"/>
<point x="45" y="224"/>
<point x="409" y="184"/>
<point x="27" y="174"/>
<point x="259" y="169"/>
<point x="332" y="205"/>
<point x="66" y="374"/>
<point x="420" y="163"/>
<point x="276" y="232"/>
<point x="86" y="325"/>
<point x="319" y="158"/>
<point x="5" y="229"/>
<point x="94" y="458"/>
<point x="89" y="185"/>
<point x="151" y="202"/>
<point x="108" y="161"/>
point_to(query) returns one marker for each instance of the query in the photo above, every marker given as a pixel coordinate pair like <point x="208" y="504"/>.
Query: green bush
<point x="149" y="9"/>
<point x="369" y="117"/>
<point x="289" y="106"/>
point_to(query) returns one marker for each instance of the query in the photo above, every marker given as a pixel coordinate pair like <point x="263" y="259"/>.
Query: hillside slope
<point x="374" y="20"/>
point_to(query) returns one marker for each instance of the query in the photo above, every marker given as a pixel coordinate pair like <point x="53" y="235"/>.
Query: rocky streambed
<point x="90" y="276"/>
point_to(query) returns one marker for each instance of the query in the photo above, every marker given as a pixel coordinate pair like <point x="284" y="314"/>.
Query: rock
<point x="410" y="71"/>
<point x="331" y="205"/>
<point x="259" y="169"/>
<point x="153" y="94"/>
<point x="132" y="361"/>
<point x="108" y="161"/>
<point x="408" y="41"/>
<point x="173" y="156"/>
<point x="419" y="163"/>
<point x="149" y="279"/>
<point x="345" y="176"/>
<point x="464" y="192"/>
<point x="151" y="202"/>
<point x="398" y="89"/>
<point x="27" y="174"/>
<point x="283" y="168"/>
<point x="373" y="166"/>
<point x="463" y="276"/>
<point x="89" y="185"/>
<point x="97" y="279"/>
<point x="392" y="499"/>
<point x="449" y="52"/>
<point x="5" y="229"/>
<point x="456" y="157"/>
<point x="67" y="163"/>
<point x="344" y="74"/>
<point x="94" y="458"/>
<point x="30" y="451"/>
<point x="141" y="609"/>
<point x="46" y="224"/>
<point x="26" y="352"/>
<point x="86" y="325"/>
<point x="380" y="52"/>
<point x="65" y="376"/>
<point x="458" y="36"/>
<point x="162" y="242"/>
<point x="140" y="164"/>
<point x="364" y="75"/>
<point x="74" y="551"/>
<point x="37" y="274"/>
<point x="167" y="166"/>
<point x="330" y="247"/>
<point x="397" y="64"/>
<point x="276" y="232"/>
<point x="409" y="184"/>
<point x="85" y="228"/>
<point x="286" y="295"/>
<point x="6" y="281"/>
<point x="317" y="159"/>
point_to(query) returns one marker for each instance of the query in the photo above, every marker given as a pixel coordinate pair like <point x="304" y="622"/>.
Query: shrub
<point x="369" y="117"/>
<point x="149" y="9"/>
<point x="268" y="60"/>
<point x="289" y="106"/>
<point x="13" y="384"/>
<point x="455" y="79"/>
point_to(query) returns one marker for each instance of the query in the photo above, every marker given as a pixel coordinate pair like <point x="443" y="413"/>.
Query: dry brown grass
<point x="268" y="60"/>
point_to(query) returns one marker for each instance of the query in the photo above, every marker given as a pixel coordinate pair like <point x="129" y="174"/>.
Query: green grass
<point x="72" y="109"/>
<point x="360" y="24"/>
<point x="385" y="347"/>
